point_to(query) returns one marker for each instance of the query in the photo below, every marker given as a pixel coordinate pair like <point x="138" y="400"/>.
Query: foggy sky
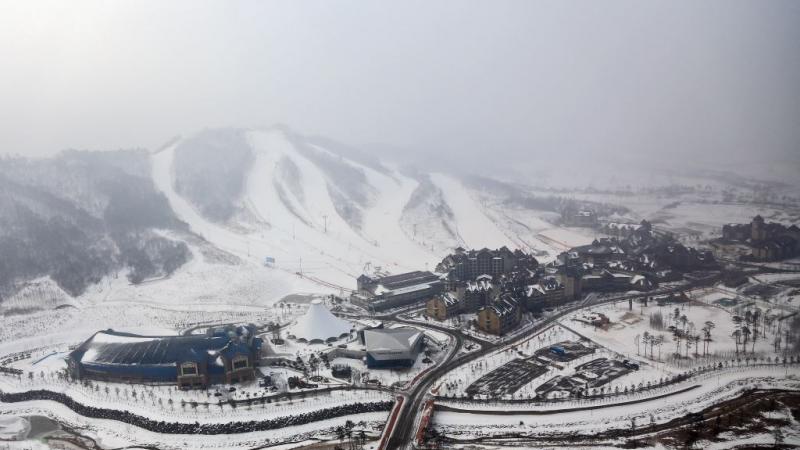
<point x="548" y="80"/>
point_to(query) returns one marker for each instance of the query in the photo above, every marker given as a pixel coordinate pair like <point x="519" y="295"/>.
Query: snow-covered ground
<point x="476" y="229"/>
<point x="626" y="325"/>
<point x="113" y="434"/>
<point x="14" y="428"/>
<point x="712" y="389"/>
<point x="167" y="403"/>
<point x="698" y="212"/>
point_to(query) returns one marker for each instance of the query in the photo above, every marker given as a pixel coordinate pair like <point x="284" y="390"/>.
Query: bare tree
<point x="746" y="333"/>
<point x="660" y="343"/>
<point x="654" y="340"/>
<point x="756" y="319"/>
<point x="709" y="325"/>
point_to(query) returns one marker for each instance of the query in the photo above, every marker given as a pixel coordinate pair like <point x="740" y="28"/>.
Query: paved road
<point x="405" y="426"/>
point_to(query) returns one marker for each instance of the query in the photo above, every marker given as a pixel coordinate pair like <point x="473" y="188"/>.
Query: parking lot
<point x="506" y="379"/>
<point x="595" y="373"/>
<point x="601" y="371"/>
<point x="564" y="351"/>
<point x="560" y="383"/>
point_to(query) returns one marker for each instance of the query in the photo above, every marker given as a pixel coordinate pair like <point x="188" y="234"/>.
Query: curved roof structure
<point x="116" y="347"/>
<point x="319" y="325"/>
<point x="117" y="355"/>
<point x="393" y="347"/>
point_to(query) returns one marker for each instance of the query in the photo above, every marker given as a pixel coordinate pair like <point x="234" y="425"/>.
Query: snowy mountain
<point x="80" y="217"/>
<point x="249" y="216"/>
<point x="232" y="216"/>
<point x="329" y="216"/>
<point x="198" y="220"/>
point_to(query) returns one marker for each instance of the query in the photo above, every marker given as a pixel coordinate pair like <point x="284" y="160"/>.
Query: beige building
<point x="443" y="306"/>
<point x="503" y="315"/>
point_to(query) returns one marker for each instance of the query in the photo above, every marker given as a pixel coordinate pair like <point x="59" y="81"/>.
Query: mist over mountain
<point x="511" y="86"/>
<point x="311" y="202"/>
<point x="210" y="170"/>
<point x="308" y="224"/>
<point x="81" y="216"/>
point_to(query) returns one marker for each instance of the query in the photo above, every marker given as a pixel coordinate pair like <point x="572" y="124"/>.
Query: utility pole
<point x="325" y="219"/>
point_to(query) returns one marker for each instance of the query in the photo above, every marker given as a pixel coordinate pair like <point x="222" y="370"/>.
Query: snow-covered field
<point x="712" y="389"/>
<point x="627" y="327"/>
<point x="473" y="225"/>
<point x="13" y="428"/>
<point x="567" y="238"/>
<point x="113" y="434"/>
<point x="167" y="403"/>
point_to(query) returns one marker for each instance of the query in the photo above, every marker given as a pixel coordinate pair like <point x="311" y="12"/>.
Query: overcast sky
<point x="673" y="79"/>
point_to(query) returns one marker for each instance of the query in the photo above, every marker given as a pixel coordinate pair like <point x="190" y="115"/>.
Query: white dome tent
<point x="319" y="325"/>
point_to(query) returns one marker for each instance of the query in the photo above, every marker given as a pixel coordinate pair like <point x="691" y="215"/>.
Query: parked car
<point x="630" y="365"/>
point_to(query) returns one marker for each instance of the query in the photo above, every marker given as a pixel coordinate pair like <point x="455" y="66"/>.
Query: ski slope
<point x="474" y="227"/>
<point x="291" y="214"/>
<point x="302" y="230"/>
<point x="247" y="247"/>
<point x="308" y="227"/>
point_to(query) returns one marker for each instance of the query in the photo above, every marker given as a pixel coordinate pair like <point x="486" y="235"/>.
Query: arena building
<point x="223" y="355"/>
<point x="392" y="347"/>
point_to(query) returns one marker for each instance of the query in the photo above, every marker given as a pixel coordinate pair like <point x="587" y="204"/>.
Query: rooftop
<point x="406" y="279"/>
<point x="113" y="347"/>
<point x="391" y="340"/>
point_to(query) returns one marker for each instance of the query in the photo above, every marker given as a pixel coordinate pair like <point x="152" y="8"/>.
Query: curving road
<point x="402" y="435"/>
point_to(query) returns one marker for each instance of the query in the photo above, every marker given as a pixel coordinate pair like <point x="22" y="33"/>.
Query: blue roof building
<point x="223" y="355"/>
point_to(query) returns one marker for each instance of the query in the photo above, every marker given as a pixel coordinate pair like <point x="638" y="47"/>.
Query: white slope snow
<point x="323" y="230"/>
<point x="309" y="230"/>
<point x="248" y="247"/>
<point x="475" y="228"/>
<point x="382" y="221"/>
<point x="298" y="223"/>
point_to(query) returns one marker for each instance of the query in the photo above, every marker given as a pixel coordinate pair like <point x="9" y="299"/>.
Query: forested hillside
<point x="210" y="170"/>
<point x="81" y="216"/>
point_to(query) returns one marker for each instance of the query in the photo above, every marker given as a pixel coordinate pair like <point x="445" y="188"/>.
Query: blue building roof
<point x="113" y="347"/>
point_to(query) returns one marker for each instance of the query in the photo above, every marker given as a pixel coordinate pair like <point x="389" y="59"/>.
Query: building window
<point x="240" y="362"/>
<point x="189" y="369"/>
